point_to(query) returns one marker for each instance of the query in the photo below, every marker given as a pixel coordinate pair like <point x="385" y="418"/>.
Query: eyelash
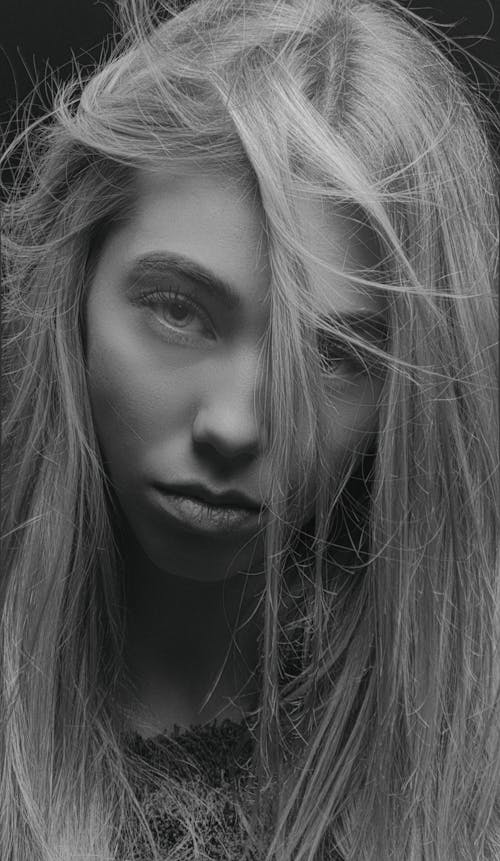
<point x="342" y="356"/>
<point x="158" y="298"/>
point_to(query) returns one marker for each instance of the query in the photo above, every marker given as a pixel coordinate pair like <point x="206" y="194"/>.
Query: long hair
<point x="379" y="713"/>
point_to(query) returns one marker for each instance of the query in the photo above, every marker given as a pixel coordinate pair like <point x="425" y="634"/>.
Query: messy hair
<point x="378" y="725"/>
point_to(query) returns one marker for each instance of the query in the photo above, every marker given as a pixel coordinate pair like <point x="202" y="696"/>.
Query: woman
<point x="250" y="436"/>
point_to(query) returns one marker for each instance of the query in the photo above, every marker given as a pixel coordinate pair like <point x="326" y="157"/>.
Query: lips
<point x="216" y="498"/>
<point x="193" y="508"/>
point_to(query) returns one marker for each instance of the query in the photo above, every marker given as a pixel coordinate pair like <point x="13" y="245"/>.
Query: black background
<point x="34" y="33"/>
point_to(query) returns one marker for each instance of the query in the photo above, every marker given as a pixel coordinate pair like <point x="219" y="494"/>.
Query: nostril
<point x="231" y="433"/>
<point x="216" y="446"/>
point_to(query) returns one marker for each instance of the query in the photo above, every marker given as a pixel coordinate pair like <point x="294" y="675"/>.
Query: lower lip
<point x="194" y="514"/>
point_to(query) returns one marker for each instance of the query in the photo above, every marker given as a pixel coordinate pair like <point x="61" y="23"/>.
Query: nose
<point x="230" y="418"/>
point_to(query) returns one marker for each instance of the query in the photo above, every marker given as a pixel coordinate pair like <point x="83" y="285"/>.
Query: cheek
<point x="135" y="401"/>
<point x="350" y="423"/>
<point x="349" y="419"/>
<point x="355" y="426"/>
<point x="345" y="447"/>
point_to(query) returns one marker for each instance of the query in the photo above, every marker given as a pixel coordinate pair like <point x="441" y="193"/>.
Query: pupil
<point x="178" y="311"/>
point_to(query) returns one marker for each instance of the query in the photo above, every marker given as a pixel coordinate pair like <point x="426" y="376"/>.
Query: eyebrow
<point x="168" y="262"/>
<point x="368" y="324"/>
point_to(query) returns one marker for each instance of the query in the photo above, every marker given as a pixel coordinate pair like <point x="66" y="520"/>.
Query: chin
<point x="185" y="556"/>
<point x="204" y="565"/>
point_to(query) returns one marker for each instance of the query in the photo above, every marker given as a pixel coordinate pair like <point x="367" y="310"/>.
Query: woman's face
<point x="174" y="361"/>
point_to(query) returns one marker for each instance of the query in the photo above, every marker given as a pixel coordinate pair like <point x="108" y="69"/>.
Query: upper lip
<point x="233" y="498"/>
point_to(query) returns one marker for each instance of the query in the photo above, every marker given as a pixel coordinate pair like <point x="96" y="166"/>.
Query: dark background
<point x="34" y="33"/>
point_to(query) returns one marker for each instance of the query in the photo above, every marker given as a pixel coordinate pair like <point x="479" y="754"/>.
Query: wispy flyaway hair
<point x="379" y="717"/>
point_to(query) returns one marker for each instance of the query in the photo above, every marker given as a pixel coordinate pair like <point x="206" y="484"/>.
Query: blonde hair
<point x="379" y="718"/>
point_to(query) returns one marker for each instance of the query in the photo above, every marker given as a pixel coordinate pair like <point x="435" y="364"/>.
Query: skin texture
<point x="177" y="396"/>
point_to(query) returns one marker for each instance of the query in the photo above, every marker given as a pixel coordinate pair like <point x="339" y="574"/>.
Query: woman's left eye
<point x="178" y="312"/>
<point x="335" y="356"/>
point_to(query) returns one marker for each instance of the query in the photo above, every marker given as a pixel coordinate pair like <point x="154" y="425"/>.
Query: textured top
<point x="200" y="813"/>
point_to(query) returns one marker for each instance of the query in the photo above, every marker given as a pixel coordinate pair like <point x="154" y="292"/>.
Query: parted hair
<point x="378" y="726"/>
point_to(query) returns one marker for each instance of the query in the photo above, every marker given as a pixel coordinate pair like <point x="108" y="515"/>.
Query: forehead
<point x="218" y="221"/>
<point x="340" y="245"/>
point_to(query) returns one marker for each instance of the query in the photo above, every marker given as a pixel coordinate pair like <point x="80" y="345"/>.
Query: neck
<point x="186" y="638"/>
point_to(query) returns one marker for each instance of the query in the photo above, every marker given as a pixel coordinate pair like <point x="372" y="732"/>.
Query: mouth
<point x="197" y="508"/>
<point x="230" y="498"/>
